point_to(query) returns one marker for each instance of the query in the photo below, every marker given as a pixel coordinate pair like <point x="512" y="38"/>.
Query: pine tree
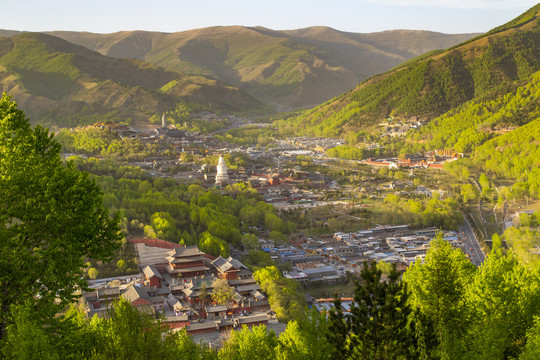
<point x="377" y="327"/>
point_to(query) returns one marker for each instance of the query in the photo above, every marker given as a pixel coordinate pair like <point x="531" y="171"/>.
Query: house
<point x="326" y="273"/>
<point x="197" y="286"/>
<point x="152" y="276"/>
<point x="144" y="299"/>
<point x="207" y="327"/>
<point x="251" y="320"/>
<point x="176" y="321"/>
<point x="99" y="301"/>
<point x="214" y="312"/>
<point x="246" y="290"/>
<point x="230" y="268"/>
<point x="187" y="262"/>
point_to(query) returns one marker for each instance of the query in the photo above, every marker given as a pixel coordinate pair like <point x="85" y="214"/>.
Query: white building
<point x="222" y="175"/>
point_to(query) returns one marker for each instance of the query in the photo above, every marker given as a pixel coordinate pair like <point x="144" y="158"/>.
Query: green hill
<point x="435" y="83"/>
<point x="57" y="82"/>
<point x="288" y="68"/>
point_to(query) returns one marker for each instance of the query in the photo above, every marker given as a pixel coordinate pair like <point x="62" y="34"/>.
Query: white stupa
<point x="163" y="121"/>
<point x="222" y="175"/>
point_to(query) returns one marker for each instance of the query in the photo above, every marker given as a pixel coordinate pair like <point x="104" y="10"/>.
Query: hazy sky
<point x="105" y="16"/>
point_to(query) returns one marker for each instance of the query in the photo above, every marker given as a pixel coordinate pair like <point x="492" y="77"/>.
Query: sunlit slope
<point x="288" y="68"/>
<point x="432" y="84"/>
<point x="57" y="82"/>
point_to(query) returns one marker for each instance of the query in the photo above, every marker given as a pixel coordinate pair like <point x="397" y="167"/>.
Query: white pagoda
<point x="222" y="175"/>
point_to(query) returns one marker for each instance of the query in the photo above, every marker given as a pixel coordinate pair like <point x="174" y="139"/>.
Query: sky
<point x="361" y="16"/>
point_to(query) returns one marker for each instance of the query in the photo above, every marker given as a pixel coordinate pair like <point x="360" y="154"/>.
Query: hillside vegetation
<point x="63" y="84"/>
<point x="289" y="68"/>
<point x="434" y="84"/>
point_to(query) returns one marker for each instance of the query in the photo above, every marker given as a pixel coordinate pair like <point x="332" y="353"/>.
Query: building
<point x="145" y="299"/>
<point x="230" y="269"/>
<point x="222" y="176"/>
<point x="187" y="262"/>
<point x="152" y="276"/>
<point x="100" y="300"/>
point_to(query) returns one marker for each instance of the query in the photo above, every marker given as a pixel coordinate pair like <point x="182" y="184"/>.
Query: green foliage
<point x="346" y="152"/>
<point x="523" y="240"/>
<point x="248" y="135"/>
<point x="26" y="339"/>
<point x="213" y="245"/>
<point x="107" y="144"/>
<point x="532" y="349"/>
<point x="423" y="212"/>
<point x="304" y="339"/>
<point x="189" y="214"/>
<point x="246" y="344"/>
<point x="250" y="242"/>
<point x="470" y="125"/>
<point x="51" y="219"/>
<point x="222" y="292"/>
<point x="377" y="327"/>
<point x="283" y="294"/>
<point x="431" y="86"/>
<point x="164" y="226"/>
<point x="438" y="288"/>
<point x="504" y="300"/>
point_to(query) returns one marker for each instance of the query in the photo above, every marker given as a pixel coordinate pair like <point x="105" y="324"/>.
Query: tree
<point x="256" y="343"/>
<point x="305" y="339"/>
<point x="213" y="245"/>
<point x="377" y="326"/>
<point x="283" y="294"/>
<point x="250" y="241"/>
<point x="504" y="300"/>
<point x="93" y="273"/>
<point x="51" y="218"/>
<point x="203" y="294"/>
<point x="532" y="349"/>
<point x="222" y="292"/>
<point x="438" y="288"/>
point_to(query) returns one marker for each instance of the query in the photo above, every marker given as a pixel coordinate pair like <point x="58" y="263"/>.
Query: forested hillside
<point x="290" y="68"/>
<point x="59" y="83"/>
<point x="433" y="84"/>
<point x="468" y="126"/>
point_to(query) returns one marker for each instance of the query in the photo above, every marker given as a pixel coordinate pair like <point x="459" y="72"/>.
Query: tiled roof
<point x="185" y="251"/>
<point x="150" y="271"/>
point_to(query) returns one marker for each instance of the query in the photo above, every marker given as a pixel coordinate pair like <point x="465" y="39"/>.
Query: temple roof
<point x="185" y="251"/>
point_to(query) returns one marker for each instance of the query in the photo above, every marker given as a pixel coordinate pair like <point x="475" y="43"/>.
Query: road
<point x="467" y="234"/>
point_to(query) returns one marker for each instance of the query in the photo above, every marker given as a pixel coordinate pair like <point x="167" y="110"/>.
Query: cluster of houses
<point x="177" y="284"/>
<point x="393" y="127"/>
<point x="325" y="261"/>
<point x="430" y="160"/>
<point x="392" y="244"/>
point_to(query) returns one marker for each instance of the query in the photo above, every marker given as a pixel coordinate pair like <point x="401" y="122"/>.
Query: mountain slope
<point x="57" y="82"/>
<point x="435" y="83"/>
<point x="289" y="68"/>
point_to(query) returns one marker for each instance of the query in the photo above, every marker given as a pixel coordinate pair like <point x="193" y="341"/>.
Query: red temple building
<point x="187" y="262"/>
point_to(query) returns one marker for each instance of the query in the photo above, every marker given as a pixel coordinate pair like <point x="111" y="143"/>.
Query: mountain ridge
<point x="436" y="82"/>
<point x="287" y="68"/>
<point x="48" y="75"/>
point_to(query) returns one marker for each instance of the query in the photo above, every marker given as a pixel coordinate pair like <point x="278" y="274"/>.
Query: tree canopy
<point x="51" y="218"/>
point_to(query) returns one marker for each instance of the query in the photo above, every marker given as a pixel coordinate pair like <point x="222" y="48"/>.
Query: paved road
<point x="467" y="234"/>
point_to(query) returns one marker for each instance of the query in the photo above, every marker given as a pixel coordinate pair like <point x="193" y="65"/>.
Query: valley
<point x="232" y="191"/>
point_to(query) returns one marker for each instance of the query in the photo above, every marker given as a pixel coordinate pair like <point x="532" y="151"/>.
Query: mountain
<point x="430" y="85"/>
<point x="290" y="69"/>
<point x="57" y="82"/>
